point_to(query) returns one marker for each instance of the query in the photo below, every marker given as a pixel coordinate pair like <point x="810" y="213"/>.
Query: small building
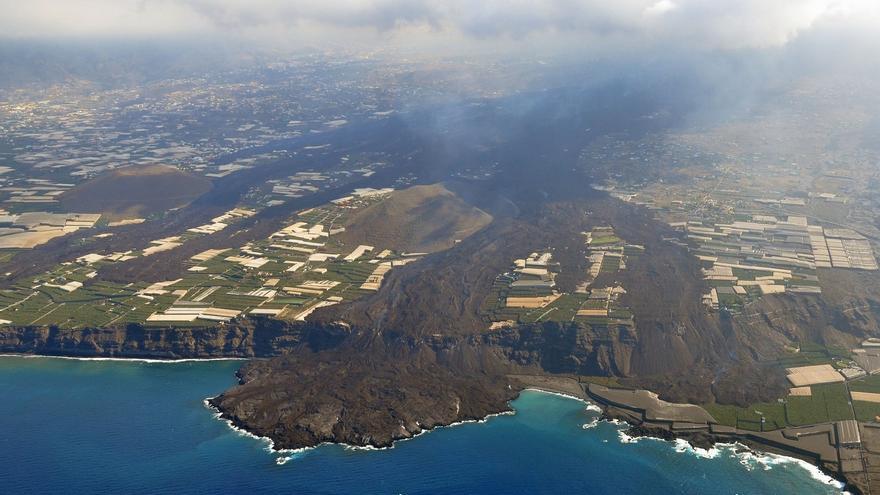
<point x="848" y="433"/>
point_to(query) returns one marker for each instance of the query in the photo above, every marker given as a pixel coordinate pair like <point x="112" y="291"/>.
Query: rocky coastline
<point x="244" y="338"/>
<point x="567" y="386"/>
<point x="647" y="416"/>
<point x="708" y="441"/>
<point x="413" y="412"/>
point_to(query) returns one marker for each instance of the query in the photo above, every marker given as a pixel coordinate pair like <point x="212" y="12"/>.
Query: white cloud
<point x="91" y="18"/>
<point x="707" y="24"/>
<point x="661" y="7"/>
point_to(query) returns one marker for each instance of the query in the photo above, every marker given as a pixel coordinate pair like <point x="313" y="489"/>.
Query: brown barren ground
<point x="417" y="219"/>
<point x="134" y="192"/>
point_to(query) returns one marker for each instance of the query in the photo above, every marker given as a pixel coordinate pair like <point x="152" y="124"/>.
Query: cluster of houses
<point x="533" y="282"/>
<point x="30" y="229"/>
<point x="768" y="255"/>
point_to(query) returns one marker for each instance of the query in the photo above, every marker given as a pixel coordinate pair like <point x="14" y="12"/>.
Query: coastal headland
<point x="419" y="352"/>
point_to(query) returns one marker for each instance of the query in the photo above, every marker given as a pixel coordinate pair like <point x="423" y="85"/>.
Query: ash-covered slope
<point x="135" y="192"/>
<point x="418" y="219"/>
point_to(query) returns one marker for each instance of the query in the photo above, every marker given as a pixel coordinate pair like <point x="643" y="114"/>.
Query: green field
<point x="749" y="418"/>
<point x="605" y="240"/>
<point x="811" y="354"/>
<point x="221" y="283"/>
<point x="828" y="403"/>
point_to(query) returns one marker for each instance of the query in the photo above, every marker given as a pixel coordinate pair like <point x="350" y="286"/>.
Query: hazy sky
<point x="697" y="24"/>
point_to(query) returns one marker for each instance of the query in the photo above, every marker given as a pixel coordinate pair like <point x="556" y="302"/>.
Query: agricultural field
<point x="608" y="254"/>
<point x="296" y="270"/>
<point x="812" y="354"/>
<point x="527" y="293"/>
<point x="827" y="403"/>
<point x="866" y="411"/>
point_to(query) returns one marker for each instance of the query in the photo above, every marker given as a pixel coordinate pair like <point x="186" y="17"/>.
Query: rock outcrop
<point x="246" y="338"/>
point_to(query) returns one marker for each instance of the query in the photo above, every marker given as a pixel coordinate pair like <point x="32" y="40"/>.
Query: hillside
<point x="133" y="192"/>
<point x="418" y="219"/>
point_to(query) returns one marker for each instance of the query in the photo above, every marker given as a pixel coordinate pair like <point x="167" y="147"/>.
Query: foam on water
<point x="558" y="394"/>
<point x="298" y="453"/>
<point x="124" y="360"/>
<point x="768" y="461"/>
<point x="683" y="446"/>
<point x="293" y="454"/>
<point x="286" y="454"/>
<point x="592" y="424"/>
<point x="746" y="457"/>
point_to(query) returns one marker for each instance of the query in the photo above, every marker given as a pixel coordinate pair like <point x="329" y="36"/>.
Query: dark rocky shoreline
<point x="571" y="388"/>
<point x="706" y="441"/>
<point x="652" y="420"/>
<point x="245" y="338"/>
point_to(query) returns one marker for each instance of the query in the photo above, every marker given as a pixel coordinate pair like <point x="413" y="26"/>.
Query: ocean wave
<point x="768" y="461"/>
<point x="683" y="446"/>
<point x="122" y="360"/>
<point x="624" y="437"/>
<point x="748" y="458"/>
<point x="592" y="424"/>
<point x="286" y="454"/>
<point x="590" y="407"/>
<point x="559" y="394"/>
<point x="297" y="453"/>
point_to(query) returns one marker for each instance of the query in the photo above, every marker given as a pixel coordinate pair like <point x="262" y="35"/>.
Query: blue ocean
<point x="74" y="426"/>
